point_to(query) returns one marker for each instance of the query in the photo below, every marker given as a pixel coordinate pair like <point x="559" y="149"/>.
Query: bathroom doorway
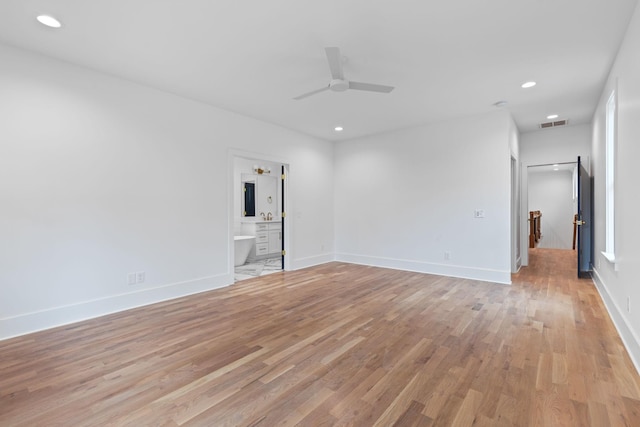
<point x="258" y="216"/>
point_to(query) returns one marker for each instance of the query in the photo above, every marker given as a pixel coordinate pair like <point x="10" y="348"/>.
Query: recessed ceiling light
<point x="49" y="21"/>
<point x="527" y="85"/>
<point x="555" y="165"/>
<point x="338" y="128"/>
<point x="553" y="116"/>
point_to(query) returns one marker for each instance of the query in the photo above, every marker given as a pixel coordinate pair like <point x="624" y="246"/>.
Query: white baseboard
<point x="629" y="338"/>
<point x="59" y="316"/>
<point x="485" y="275"/>
<point x="311" y="261"/>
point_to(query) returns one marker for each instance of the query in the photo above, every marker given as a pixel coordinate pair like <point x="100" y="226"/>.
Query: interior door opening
<point x="259" y="190"/>
<point x="552" y="205"/>
<point x="554" y="234"/>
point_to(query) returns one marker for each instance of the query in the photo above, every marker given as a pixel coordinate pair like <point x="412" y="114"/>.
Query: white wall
<point x="100" y="177"/>
<point x="404" y="198"/>
<point x="618" y="282"/>
<point x="551" y="192"/>
<point x="556" y="145"/>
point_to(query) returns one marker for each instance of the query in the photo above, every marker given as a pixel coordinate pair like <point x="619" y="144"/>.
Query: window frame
<point x="611" y="113"/>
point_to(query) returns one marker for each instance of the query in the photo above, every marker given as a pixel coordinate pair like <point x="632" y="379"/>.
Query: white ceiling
<point x="446" y="59"/>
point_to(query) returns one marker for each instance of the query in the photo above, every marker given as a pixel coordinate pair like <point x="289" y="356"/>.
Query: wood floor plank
<point x="468" y="410"/>
<point x="337" y="345"/>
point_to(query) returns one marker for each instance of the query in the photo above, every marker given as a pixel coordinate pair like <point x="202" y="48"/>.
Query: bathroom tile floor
<point x="258" y="268"/>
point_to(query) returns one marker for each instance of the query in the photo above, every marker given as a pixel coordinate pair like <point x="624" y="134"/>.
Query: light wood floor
<point x="337" y="344"/>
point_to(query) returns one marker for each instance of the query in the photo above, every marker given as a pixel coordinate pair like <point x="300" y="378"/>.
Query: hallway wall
<point x="618" y="281"/>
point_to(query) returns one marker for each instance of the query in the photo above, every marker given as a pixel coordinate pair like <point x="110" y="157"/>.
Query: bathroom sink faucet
<point x="269" y="216"/>
<point x="263" y="217"/>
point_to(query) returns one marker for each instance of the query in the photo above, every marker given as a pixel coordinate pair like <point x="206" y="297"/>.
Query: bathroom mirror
<point x="259" y="196"/>
<point x="248" y="197"/>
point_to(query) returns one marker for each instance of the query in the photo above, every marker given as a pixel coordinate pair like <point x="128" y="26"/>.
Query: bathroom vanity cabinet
<point x="268" y="238"/>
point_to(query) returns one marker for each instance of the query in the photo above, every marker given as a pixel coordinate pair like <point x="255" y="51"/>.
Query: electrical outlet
<point x="131" y="278"/>
<point x="478" y="213"/>
<point x="140" y="276"/>
<point x="447" y="255"/>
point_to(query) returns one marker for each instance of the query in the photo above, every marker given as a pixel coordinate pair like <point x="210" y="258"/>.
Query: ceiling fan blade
<point x="370" y="87"/>
<point x="335" y="62"/>
<point x="304" y="95"/>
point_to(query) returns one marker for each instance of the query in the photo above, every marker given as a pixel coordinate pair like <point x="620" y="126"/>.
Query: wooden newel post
<point x="535" y="232"/>
<point x="532" y="230"/>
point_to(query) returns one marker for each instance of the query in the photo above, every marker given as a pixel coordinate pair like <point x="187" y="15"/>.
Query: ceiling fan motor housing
<point x="338" y="85"/>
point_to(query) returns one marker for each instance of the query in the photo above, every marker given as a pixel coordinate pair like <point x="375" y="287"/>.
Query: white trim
<point x="515" y="214"/>
<point x="518" y="264"/>
<point x="610" y="172"/>
<point x="629" y="339"/>
<point x="524" y="217"/>
<point x="312" y="261"/>
<point x="609" y="256"/>
<point x="483" y="274"/>
<point x="59" y="316"/>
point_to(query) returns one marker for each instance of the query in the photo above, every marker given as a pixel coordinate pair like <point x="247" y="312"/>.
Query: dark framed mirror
<point x="249" y="190"/>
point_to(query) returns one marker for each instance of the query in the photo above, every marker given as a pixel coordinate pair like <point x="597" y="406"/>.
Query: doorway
<point x="516" y="259"/>
<point x="257" y="216"/>
<point x="552" y="198"/>
<point x="582" y="237"/>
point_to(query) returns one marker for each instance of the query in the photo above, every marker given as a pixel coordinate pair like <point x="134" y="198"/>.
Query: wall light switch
<point x="131" y="278"/>
<point x="478" y="213"/>
<point x="140" y="276"/>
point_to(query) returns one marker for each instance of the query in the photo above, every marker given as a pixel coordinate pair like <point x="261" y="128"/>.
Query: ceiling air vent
<point x="554" y="124"/>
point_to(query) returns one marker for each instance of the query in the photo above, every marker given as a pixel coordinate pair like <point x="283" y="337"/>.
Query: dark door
<point x="584" y="222"/>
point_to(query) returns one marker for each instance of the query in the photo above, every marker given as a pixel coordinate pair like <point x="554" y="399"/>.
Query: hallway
<point x="583" y="370"/>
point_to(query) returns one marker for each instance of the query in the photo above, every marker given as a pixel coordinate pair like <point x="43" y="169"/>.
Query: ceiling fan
<point x="338" y="83"/>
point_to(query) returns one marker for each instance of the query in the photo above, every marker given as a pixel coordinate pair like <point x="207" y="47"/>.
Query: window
<point x="610" y="166"/>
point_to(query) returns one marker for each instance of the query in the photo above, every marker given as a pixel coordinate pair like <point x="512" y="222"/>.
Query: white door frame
<point x="516" y="213"/>
<point x="232" y="154"/>
<point x="524" y="202"/>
